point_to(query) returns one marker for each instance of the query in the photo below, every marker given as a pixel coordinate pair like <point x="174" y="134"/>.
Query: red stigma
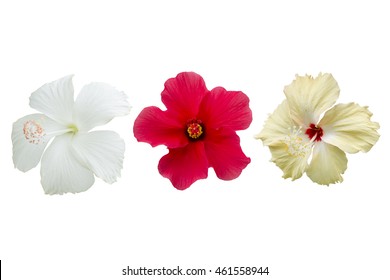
<point x="314" y="131"/>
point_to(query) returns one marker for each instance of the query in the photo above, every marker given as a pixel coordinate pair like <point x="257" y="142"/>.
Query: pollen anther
<point x="195" y="129"/>
<point x="296" y="145"/>
<point x="33" y="132"/>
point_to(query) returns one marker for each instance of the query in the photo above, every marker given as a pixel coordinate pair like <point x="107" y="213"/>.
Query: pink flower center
<point x="314" y="132"/>
<point x="33" y="132"/>
<point x="195" y="129"/>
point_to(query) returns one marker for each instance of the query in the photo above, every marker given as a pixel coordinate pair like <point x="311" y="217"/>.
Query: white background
<point x="298" y="229"/>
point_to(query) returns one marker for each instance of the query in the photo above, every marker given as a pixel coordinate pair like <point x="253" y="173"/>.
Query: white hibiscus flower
<point x="75" y="155"/>
<point x="295" y="131"/>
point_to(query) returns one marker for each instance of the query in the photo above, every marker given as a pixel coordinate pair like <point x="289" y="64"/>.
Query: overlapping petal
<point x="224" y="153"/>
<point x="102" y="152"/>
<point x="277" y="125"/>
<point x="183" y="166"/>
<point x="30" y="136"/>
<point x="198" y="128"/>
<point x="293" y="166"/>
<point x="327" y="164"/>
<point x="309" y="97"/>
<point x="55" y="100"/>
<point x="97" y="104"/>
<point x="158" y="127"/>
<point x="70" y="161"/>
<point x="222" y="108"/>
<point x="183" y="94"/>
<point x="343" y="128"/>
<point x="349" y="127"/>
<point x="61" y="171"/>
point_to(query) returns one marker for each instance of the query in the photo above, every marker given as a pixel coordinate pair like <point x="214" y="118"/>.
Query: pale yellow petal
<point x="327" y="164"/>
<point x="309" y="97"/>
<point x="289" y="146"/>
<point x="349" y="127"/>
<point x="277" y="125"/>
<point x="291" y="154"/>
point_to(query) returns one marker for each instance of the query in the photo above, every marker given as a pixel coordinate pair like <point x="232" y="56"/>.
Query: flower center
<point x="314" y="132"/>
<point x="296" y="145"/>
<point x="73" y="128"/>
<point x="33" y="132"/>
<point x="195" y="129"/>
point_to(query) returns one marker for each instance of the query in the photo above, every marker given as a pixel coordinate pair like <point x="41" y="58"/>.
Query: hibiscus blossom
<point x="75" y="154"/>
<point x="198" y="129"/>
<point x="296" y="130"/>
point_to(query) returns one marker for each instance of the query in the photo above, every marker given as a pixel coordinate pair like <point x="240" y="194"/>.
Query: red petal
<point x="184" y="166"/>
<point x="224" y="153"/>
<point x="157" y="127"/>
<point x="183" y="94"/>
<point x="222" y="108"/>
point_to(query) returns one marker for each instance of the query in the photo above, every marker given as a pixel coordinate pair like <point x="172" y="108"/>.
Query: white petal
<point x="61" y="172"/>
<point x="308" y="98"/>
<point x="97" y="104"/>
<point x="349" y="127"/>
<point x="30" y="136"/>
<point x="102" y="152"/>
<point x="55" y="100"/>
<point x="277" y="125"/>
<point x="327" y="164"/>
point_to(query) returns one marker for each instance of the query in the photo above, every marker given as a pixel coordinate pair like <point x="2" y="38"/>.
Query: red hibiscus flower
<point x="198" y="129"/>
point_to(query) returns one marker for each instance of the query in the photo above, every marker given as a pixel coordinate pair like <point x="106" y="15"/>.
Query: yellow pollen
<point x="296" y="145"/>
<point x="194" y="130"/>
<point x="33" y="132"/>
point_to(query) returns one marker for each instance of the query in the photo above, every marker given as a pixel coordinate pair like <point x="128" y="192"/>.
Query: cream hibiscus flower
<point x="295" y="130"/>
<point x="75" y="154"/>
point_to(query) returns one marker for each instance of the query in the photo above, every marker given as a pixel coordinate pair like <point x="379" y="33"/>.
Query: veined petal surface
<point x="55" y="100"/>
<point x="30" y="136"/>
<point x="97" y="104"/>
<point x="224" y="153"/>
<point x="183" y="166"/>
<point x="102" y="152"/>
<point x="183" y="94"/>
<point x="327" y="164"/>
<point x="277" y="125"/>
<point x="292" y="165"/>
<point x="309" y="97"/>
<point x="158" y="127"/>
<point x="222" y="108"/>
<point x="61" y="171"/>
<point x="349" y="127"/>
